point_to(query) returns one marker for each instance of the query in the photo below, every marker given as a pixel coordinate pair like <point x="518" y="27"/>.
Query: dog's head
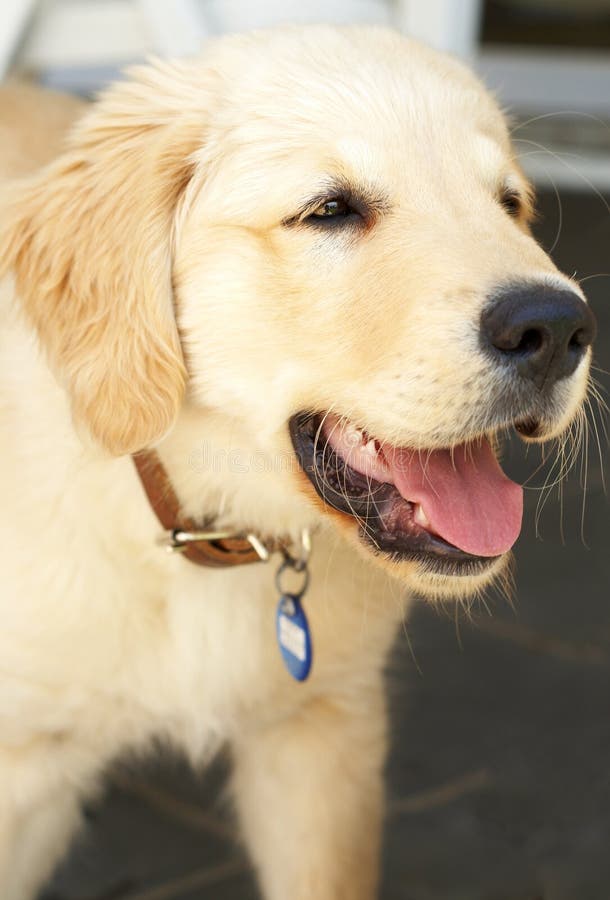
<point x="325" y="235"/>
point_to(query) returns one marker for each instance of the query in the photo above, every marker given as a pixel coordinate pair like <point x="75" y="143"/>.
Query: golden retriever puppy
<point x="295" y="278"/>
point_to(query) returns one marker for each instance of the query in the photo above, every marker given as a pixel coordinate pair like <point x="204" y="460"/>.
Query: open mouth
<point x="452" y="510"/>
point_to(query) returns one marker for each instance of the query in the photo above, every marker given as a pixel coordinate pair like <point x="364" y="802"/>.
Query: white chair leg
<point x="177" y="28"/>
<point x="14" y="16"/>
<point x="451" y="25"/>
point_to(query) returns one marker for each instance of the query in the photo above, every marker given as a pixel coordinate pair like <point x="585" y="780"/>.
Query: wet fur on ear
<point x="89" y="239"/>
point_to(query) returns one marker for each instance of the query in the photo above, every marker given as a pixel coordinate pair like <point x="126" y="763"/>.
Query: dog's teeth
<point x="353" y="435"/>
<point x="420" y="517"/>
<point x="371" y="447"/>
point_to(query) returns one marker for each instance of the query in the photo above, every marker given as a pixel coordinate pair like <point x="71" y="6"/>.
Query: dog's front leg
<point x="309" y="792"/>
<point x="36" y="826"/>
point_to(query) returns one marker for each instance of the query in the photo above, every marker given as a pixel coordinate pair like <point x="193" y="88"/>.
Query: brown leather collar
<point x="184" y="535"/>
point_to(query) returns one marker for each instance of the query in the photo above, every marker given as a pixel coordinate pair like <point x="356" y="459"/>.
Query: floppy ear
<point x="90" y="241"/>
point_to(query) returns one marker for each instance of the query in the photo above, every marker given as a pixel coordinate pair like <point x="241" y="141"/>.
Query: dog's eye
<point x="340" y="207"/>
<point x="511" y="201"/>
<point x="330" y="209"/>
<point x="333" y="212"/>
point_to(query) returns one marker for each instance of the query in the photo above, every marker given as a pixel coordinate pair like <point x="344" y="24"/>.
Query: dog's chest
<point x="205" y="663"/>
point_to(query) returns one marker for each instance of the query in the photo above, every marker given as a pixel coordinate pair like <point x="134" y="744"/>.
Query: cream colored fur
<point x="153" y="296"/>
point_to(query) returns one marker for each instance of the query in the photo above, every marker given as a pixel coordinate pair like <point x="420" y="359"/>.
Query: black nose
<point x="542" y="332"/>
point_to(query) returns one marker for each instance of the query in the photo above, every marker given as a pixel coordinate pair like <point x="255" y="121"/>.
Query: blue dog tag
<point x="293" y="636"/>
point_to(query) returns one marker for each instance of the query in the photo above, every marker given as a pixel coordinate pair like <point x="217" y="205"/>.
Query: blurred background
<point x="499" y="775"/>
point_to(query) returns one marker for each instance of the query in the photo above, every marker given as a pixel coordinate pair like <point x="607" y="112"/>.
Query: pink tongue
<point x="468" y="499"/>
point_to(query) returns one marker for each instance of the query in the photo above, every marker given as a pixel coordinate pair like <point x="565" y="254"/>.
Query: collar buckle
<point x="177" y="540"/>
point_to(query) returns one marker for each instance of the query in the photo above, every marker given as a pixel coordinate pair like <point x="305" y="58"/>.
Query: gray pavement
<point x="499" y="775"/>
